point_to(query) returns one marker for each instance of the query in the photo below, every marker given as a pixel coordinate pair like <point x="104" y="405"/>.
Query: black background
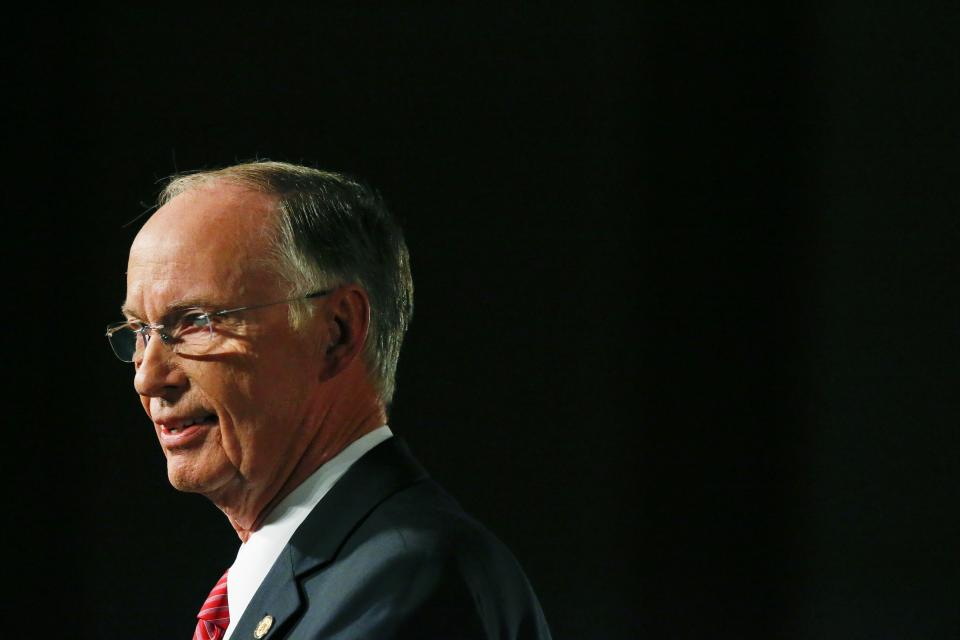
<point x="686" y="330"/>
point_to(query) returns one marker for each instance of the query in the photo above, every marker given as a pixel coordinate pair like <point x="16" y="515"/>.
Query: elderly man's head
<point x="332" y="230"/>
<point x="247" y="403"/>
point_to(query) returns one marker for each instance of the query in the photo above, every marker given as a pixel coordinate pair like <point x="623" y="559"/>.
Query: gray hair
<point x="331" y="230"/>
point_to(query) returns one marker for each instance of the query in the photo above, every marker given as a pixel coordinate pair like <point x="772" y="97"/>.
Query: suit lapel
<point x="277" y="597"/>
<point x="384" y="470"/>
<point x="381" y="472"/>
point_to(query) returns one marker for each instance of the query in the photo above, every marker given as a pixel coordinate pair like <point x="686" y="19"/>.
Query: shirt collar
<point x="257" y="555"/>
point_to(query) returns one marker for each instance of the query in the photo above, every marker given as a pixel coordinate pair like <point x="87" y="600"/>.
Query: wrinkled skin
<point x="274" y="403"/>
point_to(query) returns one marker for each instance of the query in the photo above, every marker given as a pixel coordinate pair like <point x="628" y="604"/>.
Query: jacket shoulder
<point x="419" y="566"/>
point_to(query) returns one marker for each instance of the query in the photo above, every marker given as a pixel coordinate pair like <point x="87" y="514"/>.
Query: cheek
<point x="274" y="411"/>
<point x="260" y="397"/>
<point x="235" y="397"/>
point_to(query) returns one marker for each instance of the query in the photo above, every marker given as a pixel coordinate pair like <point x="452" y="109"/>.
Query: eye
<point x="194" y="320"/>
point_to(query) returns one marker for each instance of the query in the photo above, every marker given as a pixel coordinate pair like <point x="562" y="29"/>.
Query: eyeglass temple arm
<point x="315" y="294"/>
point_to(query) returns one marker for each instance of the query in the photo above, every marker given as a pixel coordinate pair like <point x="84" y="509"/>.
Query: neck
<point x="331" y="431"/>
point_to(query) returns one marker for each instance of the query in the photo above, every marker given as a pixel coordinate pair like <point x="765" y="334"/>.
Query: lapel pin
<point x="263" y="627"/>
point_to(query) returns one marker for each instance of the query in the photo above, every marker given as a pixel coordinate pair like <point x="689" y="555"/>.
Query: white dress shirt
<point x="257" y="555"/>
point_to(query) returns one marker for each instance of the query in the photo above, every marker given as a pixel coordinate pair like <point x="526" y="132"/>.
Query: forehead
<point x="208" y="245"/>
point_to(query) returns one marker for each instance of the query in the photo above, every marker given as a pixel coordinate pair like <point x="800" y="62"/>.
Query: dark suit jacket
<point x="388" y="554"/>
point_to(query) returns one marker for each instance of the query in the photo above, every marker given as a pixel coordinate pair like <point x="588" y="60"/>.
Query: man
<point x="266" y="304"/>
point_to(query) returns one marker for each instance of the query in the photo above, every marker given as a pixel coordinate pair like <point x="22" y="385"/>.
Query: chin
<point x="184" y="482"/>
<point x="189" y="479"/>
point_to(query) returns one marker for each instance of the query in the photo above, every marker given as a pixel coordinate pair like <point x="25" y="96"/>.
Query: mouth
<point x="180" y="426"/>
<point x="185" y="431"/>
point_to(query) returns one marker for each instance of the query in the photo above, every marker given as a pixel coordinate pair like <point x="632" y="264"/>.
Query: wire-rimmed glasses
<point x="191" y="332"/>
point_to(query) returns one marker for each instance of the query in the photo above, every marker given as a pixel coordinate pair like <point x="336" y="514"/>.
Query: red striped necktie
<point x="214" y="617"/>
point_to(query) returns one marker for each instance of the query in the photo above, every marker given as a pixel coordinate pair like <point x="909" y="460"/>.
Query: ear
<point x="347" y="321"/>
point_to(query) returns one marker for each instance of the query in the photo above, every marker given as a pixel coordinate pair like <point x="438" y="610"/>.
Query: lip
<point x="185" y="437"/>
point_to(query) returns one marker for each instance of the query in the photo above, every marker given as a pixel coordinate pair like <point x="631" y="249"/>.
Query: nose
<point x="157" y="373"/>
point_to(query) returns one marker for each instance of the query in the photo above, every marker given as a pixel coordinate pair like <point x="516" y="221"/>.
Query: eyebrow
<point x="178" y="306"/>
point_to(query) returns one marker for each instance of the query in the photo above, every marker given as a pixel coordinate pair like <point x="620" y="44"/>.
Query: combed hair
<point x="331" y="230"/>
